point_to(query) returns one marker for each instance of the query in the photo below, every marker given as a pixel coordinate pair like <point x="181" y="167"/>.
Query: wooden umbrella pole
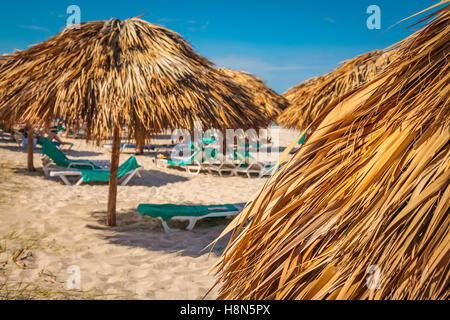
<point x="140" y="143"/>
<point x="224" y="142"/>
<point x="113" y="178"/>
<point x="30" y="148"/>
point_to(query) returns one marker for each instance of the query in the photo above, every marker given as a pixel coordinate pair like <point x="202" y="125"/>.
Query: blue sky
<point x="284" y="42"/>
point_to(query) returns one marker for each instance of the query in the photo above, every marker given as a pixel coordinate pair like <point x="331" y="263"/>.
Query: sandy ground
<point x="47" y="227"/>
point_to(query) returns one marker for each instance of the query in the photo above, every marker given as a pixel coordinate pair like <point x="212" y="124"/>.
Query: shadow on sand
<point x="136" y="231"/>
<point x="149" y="178"/>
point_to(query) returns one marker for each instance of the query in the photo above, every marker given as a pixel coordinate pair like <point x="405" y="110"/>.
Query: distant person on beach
<point x="47" y="132"/>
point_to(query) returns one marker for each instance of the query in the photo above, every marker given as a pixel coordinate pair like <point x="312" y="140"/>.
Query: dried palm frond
<point x="361" y="211"/>
<point x="308" y="99"/>
<point x="4" y="58"/>
<point x="270" y="103"/>
<point x="121" y="72"/>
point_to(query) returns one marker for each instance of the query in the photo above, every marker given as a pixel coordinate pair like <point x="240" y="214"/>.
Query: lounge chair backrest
<point x="103" y="175"/>
<point x="185" y="162"/>
<point x="129" y="165"/>
<point x="51" y="150"/>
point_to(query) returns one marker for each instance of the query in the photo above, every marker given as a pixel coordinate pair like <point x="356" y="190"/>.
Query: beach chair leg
<point x="79" y="182"/>
<point x="130" y="176"/>
<point x="191" y="224"/>
<point x="195" y="170"/>
<point x="45" y="168"/>
<point x="231" y="173"/>
<point x="166" y="227"/>
<point x="65" y="180"/>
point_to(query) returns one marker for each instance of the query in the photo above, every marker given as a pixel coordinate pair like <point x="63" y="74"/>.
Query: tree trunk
<point x="113" y="178"/>
<point x="30" y="149"/>
<point x="224" y="142"/>
<point x="140" y="143"/>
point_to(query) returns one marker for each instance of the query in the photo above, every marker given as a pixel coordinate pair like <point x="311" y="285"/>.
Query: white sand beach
<point x="46" y="227"/>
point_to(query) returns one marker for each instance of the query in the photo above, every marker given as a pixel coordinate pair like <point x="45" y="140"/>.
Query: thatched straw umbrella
<point x="113" y="73"/>
<point x="308" y="99"/>
<point x="270" y="103"/>
<point x="30" y="140"/>
<point x="362" y="210"/>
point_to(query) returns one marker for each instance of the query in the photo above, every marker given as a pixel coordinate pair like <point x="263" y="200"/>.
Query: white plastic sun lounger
<point x="48" y="164"/>
<point x="258" y="169"/>
<point x="221" y="166"/>
<point x="65" y="173"/>
<point x="189" y="163"/>
<point x="193" y="220"/>
<point x="216" y="211"/>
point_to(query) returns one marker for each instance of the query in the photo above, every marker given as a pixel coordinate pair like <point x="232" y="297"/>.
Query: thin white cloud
<point x="190" y="25"/>
<point x="166" y="20"/>
<point x="331" y="20"/>
<point x="254" y="65"/>
<point x="35" y="28"/>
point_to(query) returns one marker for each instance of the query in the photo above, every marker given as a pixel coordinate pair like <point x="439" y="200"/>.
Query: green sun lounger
<point x="126" y="172"/>
<point x="249" y="165"/>
<point x="52" y="156"/>
<point x="189" y="163"/>
<point x="192" y="213"/>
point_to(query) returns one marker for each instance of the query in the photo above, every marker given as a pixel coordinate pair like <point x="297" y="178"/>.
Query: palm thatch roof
<point x="270" y="103"/>
<point x="310" y="98"/>
<point x="3" y="59"/>
<point x="367" y="198"/>
<point x="109" y="73"/>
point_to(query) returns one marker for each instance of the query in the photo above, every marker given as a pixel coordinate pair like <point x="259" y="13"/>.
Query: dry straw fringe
<point x="310" y="98"/>
<point x="268" y="101"/>
<point x="369" y="188"/>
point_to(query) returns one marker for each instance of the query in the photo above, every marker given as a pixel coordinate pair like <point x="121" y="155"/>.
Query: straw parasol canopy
<point x="270" y="103"/>
<point x="115" y="72"/>
<point x="111" y="73"/>
<point x="310" y="98"/>
<point x="362" y="210"/>
<point x="3" y="59"/>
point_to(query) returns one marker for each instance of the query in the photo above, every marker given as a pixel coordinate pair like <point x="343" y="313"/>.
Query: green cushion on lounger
<point x="181" y="163"/>
<point x="103" y="175"/>
<point x="168" y="211"/>
<point x="59" y="158"/>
